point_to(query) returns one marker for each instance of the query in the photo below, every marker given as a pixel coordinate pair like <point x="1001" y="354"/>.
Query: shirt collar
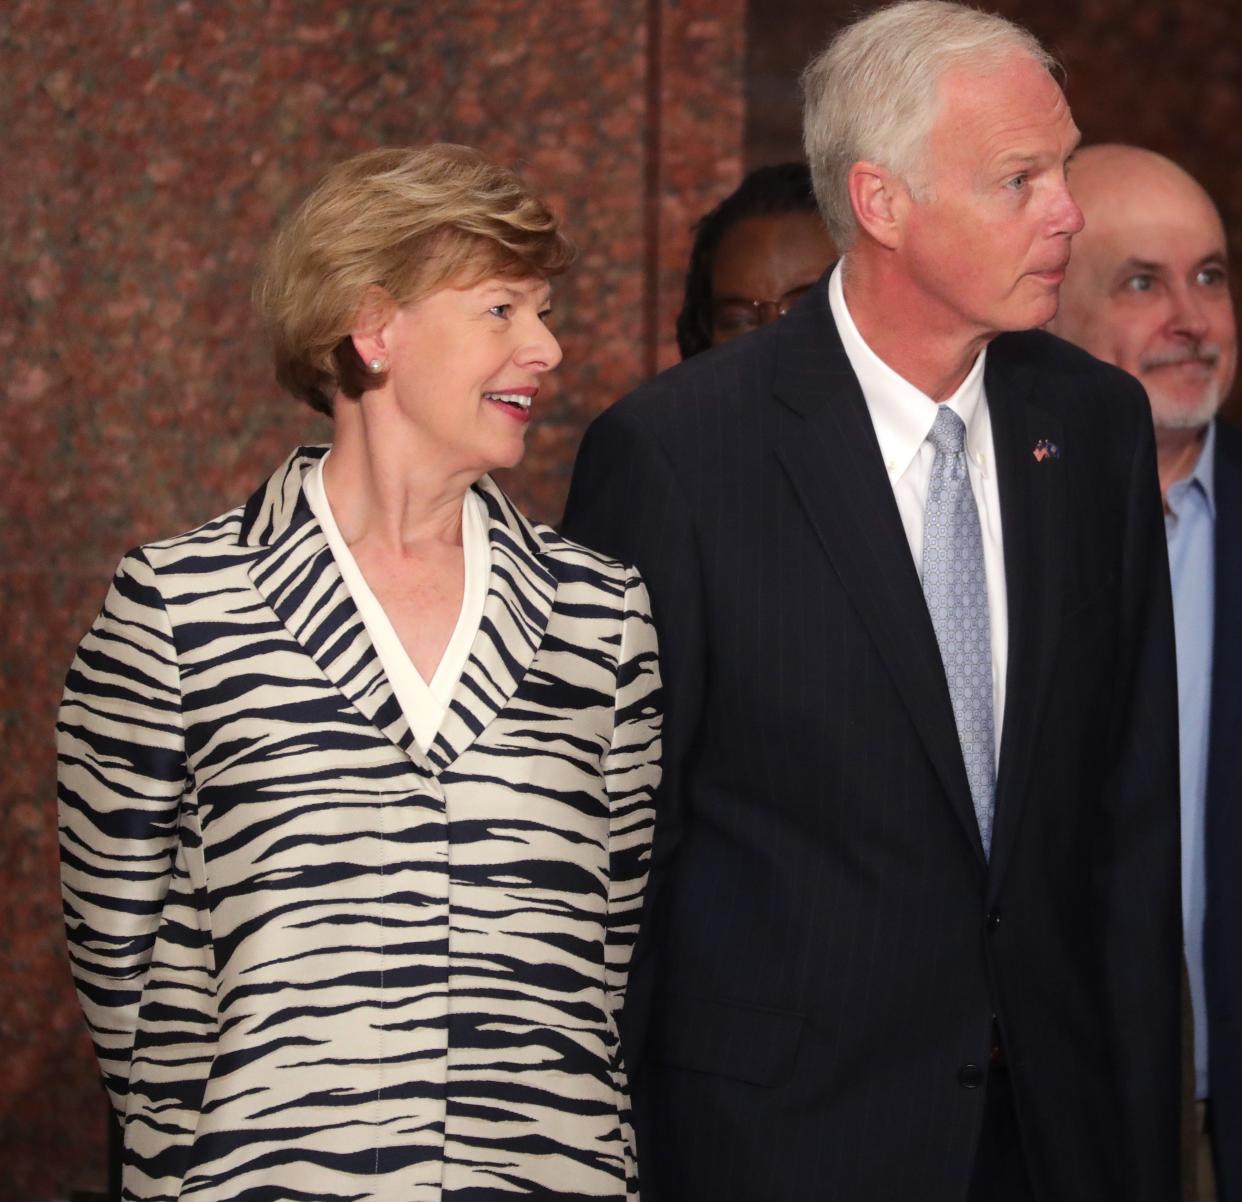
<point x="901" y="414"/>
<point x="1203" y="474"/>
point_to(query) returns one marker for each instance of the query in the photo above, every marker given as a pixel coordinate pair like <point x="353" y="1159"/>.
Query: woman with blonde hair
<point x="356" y="779"/>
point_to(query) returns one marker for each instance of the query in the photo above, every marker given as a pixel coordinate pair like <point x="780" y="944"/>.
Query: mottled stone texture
<point x="700" y="116"/>
<point x="149" y="148"/>
<point x="1149" y="72"/>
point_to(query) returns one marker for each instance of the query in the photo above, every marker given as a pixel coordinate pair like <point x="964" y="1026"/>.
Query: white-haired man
<point x="913" y="926"/>
<point x="1148" y="290"/>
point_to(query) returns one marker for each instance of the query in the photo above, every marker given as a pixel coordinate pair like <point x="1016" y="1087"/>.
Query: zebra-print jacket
<point x="317" y="963"/>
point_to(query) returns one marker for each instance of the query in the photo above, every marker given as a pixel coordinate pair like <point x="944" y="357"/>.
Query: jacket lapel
<point x="1224" y="757"/>
<point x="829" y="451"/>
<point x="515" y="615"/>
<point x="297" y="575"/>
<point x="1032" y="499"/>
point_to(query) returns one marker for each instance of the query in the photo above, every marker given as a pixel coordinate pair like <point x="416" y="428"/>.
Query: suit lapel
<point x="515" y="615"/>
<point x="1032" y="500"/>
<point x="297" y="575"/>
<point x="1224" y="760"/>
<point x="829" y="450"/>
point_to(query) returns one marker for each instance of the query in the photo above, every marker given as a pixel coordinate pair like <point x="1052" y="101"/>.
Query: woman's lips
<point x="514" y="402"/>
<point x="512" y="411"/>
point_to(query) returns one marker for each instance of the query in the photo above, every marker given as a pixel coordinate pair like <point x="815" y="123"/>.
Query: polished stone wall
<point x="149" y="148"/>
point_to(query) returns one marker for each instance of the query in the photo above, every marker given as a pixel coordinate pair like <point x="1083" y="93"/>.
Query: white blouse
<point x="424" y="703"/>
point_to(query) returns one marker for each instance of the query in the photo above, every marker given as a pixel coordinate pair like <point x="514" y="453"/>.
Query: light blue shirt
<point x="1189" y="526"/>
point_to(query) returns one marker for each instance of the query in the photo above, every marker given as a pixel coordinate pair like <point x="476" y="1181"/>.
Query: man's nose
<point x="1189" y="316"/>
<point x="1068" y="215"/>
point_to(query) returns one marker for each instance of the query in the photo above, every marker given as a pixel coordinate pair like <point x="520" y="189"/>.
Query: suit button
<point x="970" y="1076"/>
<point x="993" y="920"/>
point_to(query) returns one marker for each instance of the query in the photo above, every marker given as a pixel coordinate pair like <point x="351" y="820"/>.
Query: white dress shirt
<point x="903" y="417"/>
<point x="424" y="703"/>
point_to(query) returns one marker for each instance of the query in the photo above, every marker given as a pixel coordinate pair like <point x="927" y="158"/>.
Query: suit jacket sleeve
<point x="121" y="774"/>
<point x="624" y="501"/>
<point x="1137" y="866"/>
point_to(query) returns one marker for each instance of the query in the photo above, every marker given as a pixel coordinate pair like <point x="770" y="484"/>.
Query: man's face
<point x="987" y="238"/>
<point x="1148" y="288"/>
<point x="762" y="266"/>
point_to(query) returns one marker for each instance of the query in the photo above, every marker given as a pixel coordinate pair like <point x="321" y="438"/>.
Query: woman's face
<point x="464" y="366"/>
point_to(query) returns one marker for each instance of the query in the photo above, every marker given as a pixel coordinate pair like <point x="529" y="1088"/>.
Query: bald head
<point x="1115" y="174"/>
<point x="1147" y="287"/>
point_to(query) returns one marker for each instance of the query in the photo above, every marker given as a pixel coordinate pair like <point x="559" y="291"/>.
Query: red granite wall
<point x="148" y="148"/>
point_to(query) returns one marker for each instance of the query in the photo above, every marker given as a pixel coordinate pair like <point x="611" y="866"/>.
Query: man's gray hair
<point x="872" y="92"/>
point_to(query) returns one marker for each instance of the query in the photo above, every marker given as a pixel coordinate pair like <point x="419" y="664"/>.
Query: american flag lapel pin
<point x="1046" y="450"/>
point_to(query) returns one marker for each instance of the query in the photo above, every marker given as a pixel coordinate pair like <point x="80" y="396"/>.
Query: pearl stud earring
<point x="376" y="366"/>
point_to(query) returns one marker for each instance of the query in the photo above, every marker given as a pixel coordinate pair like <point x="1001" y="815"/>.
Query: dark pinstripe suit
<point x="1222" y="932"/>
<point x="825" y="944"/>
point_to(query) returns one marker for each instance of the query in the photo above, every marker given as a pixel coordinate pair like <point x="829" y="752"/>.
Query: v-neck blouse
<point x="424" y="703"/>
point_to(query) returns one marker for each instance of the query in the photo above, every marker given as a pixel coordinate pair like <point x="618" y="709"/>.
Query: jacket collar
<point x="297" y="575"/>
<point x="829" y="450"/>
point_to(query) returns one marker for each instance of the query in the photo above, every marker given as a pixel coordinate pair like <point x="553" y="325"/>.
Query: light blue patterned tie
<point x="956" y="588"/>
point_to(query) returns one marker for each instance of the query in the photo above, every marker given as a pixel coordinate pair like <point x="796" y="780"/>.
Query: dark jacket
<point x="1222" y="932"/>
<point x="825" y="945"/>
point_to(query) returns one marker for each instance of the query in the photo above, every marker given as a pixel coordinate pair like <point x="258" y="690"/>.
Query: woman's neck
<point x="383" y="491"/>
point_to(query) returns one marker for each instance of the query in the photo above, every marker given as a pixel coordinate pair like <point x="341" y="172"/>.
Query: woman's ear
<point x="370" y="331"/>
<point x="880" y="202"/>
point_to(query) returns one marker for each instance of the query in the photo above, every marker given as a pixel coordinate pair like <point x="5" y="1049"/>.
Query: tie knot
<point x="948" y="432"/>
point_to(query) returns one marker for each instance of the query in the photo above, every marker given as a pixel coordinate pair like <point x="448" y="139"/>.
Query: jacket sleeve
<point x="121" y="775"/>
<point x="625" y="501"/>
<point x="1136" y="860"/>
<point x="632" y="774"/>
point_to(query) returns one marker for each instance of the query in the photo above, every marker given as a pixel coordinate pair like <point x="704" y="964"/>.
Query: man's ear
<point x="880" y="202"/>
<point x="371" y="323"/>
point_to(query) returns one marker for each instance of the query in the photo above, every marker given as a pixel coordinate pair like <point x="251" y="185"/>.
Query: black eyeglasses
<point x="734" y="315"/>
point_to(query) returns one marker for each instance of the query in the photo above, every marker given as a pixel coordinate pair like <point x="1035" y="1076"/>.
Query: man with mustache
<point x="912" y="933"/>
<point x="1148" y="290"/>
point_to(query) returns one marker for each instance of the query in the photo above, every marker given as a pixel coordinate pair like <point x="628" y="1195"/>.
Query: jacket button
<point x="970" y="1076"/>
<point x="993" y="919"/>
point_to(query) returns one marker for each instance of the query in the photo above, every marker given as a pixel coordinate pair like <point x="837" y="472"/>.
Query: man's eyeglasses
<point x="734" y="315"/>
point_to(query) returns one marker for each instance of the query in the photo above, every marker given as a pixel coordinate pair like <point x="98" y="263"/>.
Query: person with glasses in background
<point x="754" y="255"/>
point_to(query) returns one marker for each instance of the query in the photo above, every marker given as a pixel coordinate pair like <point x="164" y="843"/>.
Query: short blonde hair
<point x="871" y="93"/>
<point x="404" y="221"/>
